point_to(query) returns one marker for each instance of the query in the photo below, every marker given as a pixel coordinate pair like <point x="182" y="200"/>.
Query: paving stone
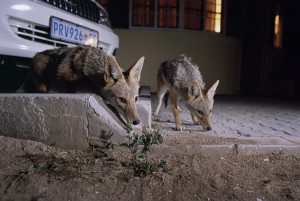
<point x="265" y="121"/>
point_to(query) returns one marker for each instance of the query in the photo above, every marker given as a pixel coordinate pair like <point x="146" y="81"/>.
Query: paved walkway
<point x="249" y="123"/>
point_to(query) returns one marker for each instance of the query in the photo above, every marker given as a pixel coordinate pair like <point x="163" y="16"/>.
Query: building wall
<point x="217" y="56"/>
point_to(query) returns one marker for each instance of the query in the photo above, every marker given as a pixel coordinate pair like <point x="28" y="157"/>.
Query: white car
<point x="31" y="26"/>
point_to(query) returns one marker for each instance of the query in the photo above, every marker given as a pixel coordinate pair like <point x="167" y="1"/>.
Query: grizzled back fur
<point x="174" y="69"/>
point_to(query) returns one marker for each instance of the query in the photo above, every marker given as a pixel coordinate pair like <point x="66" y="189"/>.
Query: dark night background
<point x="265" y="70"/>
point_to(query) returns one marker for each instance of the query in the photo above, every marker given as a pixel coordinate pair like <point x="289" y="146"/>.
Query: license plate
<point x="73" y="33"/>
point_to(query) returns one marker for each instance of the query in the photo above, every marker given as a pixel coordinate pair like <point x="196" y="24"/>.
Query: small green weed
<point x="41" y="167"/>
<point x="140" y="146"/>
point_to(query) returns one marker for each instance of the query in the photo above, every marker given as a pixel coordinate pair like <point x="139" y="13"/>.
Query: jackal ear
<point x="112" y="70"/>
<point x="211" y="90"/>
<point x="195" y="89"/>
<point x="136" y="69"/>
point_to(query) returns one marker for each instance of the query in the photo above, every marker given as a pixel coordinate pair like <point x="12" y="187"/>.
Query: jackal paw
<point x="179" y="109"/>
<point x="196" y="122"/>
<point x="178" y="128"/>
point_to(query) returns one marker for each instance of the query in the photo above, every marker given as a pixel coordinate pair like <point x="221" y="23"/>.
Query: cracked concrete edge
<point x="103" y="123"/>
<point x="228" y="149"/>
<point x="69" y="121"/>
<point x="145" y="112"/>
<point x="32" y="116"/>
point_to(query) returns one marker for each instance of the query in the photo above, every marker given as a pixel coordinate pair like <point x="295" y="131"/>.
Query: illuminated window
<point x="213" y="15"/>
<point x="278" y="31"/>
<point x="202" y="15"/>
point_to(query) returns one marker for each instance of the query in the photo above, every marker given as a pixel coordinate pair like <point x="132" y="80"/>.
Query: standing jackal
<point x="182" y="79"/>
<point x="89" y="68"/>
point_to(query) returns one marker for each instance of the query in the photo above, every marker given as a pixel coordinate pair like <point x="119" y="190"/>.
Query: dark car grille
<point x="34" y="32"/>
<point x="84" y="8"/>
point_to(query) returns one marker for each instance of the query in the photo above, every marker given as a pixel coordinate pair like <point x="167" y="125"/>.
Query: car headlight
<point x="103" y="18"/>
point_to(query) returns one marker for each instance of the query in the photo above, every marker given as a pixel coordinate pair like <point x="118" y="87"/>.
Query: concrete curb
<point x="68" y="121"/>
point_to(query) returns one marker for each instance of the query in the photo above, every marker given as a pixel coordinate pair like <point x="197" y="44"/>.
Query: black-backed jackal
<point x="88" y="68"/>
<point x="182" y="79"/>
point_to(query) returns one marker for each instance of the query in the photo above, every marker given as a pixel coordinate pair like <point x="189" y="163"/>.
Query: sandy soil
<point x="33" y="171"/>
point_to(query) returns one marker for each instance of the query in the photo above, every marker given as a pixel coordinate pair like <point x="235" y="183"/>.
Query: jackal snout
<point x="200" y="103"/>
<point x="206" y="123"/>
<point x="124" y="100"/>
<point x="132" y="114"/>
<point x="125" y="106"/>
<point x="201" y="117"/>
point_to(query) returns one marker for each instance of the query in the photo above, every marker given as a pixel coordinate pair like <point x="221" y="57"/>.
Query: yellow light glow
<point x="276" y="28"/>
<point x="278" y="31"/>
<point x="218" y="16"/>
<point x="218" y="23"/>
<point x="218" y="6"/>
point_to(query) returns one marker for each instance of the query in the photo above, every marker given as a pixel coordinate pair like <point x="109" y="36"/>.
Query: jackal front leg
<point x="176" y="112"/>
<point x="194" y="118"/>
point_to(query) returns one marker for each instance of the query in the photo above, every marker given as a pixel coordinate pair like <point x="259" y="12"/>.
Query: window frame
<point x="181" y="19"/>
<point x="193" y="15"/>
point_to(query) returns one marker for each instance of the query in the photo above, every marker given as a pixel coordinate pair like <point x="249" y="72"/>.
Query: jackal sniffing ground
<point x="182" y="79"/>
<point x="91" y="69"/>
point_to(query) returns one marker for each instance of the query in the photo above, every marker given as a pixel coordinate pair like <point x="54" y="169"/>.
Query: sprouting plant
<point x="140" y="145"/>
<point x="36" y="168"/>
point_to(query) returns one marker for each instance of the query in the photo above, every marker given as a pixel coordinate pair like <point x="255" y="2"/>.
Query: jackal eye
<point x="210" y="111"/>
<point x="136" y="98"/>
<point x="122" y="100"/>
<point x="200" y="112"/>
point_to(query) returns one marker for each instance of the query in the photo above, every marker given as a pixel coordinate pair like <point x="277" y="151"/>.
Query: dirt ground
<point x="33" y="171"/>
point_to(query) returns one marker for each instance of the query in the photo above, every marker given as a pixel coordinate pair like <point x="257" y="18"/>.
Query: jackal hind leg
<point x="176" y="112"/>
<point x="162" y="89"/>
<point x="42" y="88"/>
<point x="40" y="85"/>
